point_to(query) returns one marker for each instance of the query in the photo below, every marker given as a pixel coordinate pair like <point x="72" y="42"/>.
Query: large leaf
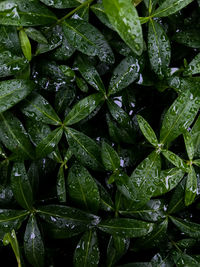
<point x="124" y="18"/>
<point x="21" y="187"/>
<point x="83" y="108"/>
<point x="13" y="91"/>
<point x="82" y="189"/>
<point x="124" y="74"/>
<point x="125" y="227"/>
<point x="33" y="243"/>
<point x="87" y="39"/>
<point x="14" y="136"/>
<point x="25" y="13"/>
<point x="87" y="253"/>
<point x="84" y="148"/>
<point x="158" y="48"/>
<point x="35" y="106"/>
<point x="180" y="114"/>
<point x="169" y="7"/>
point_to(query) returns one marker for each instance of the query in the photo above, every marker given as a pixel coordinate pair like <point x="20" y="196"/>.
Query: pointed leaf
<point x="169" y="7"/>
<point x="33" y="244"/>
<point x="175" y="159"/>
<point x="25" y="45"/>
<point x="183" y="260"/>
<point x="159" y="48"/>
<point x="83" y="108"/>
<point x="110" y="158"/>
<point x="177" y="201"/>
<point x="189" y="145"/>
<point x="36" y="107"/>
<point x="36" y="35"/>
<point x="87" y="253"/>
<point x="125" y="227"/>
<point x="21" y="186"/>
<point x="14" y="136"/>
<point x="124" y="74"/>
<point x="147" y="131"/>
<point x="84" y="148"/>
<point x="106" y="202"/>
<point x="193" y="67"/>
<point x="13" y="91"/>
<point x="191" y="187"/>
<point x="87" y="39"/>
<point x="48" y="144"/>
<point x="124" y="18"/>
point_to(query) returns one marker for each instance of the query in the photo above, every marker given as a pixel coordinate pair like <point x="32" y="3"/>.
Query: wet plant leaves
<point x="191" y="187"/>
<point x="110" y="158"/>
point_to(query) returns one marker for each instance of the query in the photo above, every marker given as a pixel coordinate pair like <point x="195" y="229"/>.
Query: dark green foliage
<point x="99" y="133"/>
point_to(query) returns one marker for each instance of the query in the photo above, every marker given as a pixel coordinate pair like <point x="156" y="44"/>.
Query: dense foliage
<point x="100" y="133"/>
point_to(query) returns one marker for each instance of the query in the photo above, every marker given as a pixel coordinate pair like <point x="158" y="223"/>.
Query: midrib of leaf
<point x="177" y="203"/>
<point x="112" y="163"/>
<point x="14" y="218"/>
<point x="119" y="227"/>
<point x="83" y="195"/>
<point x="10" y="130"/>
<point x="11" y="92"/>
<point x="23" y="196"/>
<point x="156" y="36"/>
<point x="98" y="8"/>
<point x="83" y="147"/>
<point x="88" y="245"/>
<point x="139" y="211"/>
<point x="76" y="115"/>
<point x="105" y="203"/>
<point x="177" y="119"/>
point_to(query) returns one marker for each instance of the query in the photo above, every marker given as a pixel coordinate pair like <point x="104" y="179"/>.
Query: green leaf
<point x="14" y="136"/>
<point x="25" y="13"/>
<point x="36" y="35"/>
<point x="147" y="131"/>
<point x="180" y="114"/>
<point x="191" y="187"/>
<point x="37" y="108"/>
<point x="21" y="187"/>
<point x="177" y="200"/>
<point x="25" y="44"/>
<point x="11" y="219"/>
<point x="60" y="185"/>
<point x="12" y="239"/>
<point x="169" y="7"/>
<point x="87" y="39"/>
<point x="193" y="67"/>
<point x="70" y="219"/>
<point x="188" y="37"/>
<point x="84" y="148"/>
<point x="89" y="73"/>
<point x="196" y="137"/>
<point x="99" y="11"/>
<point x="124" y="18"/>
<point x="61" y="3"/>
<point x="168" y="180"/>
<point x="13" y="91"/>
<point x="11" y="64"/>
<point x="142" y="183"/>
<point x="33" y="243"/>
<point x="125" y="227"/>
<point x="159" y="48"/>
<point x="106" y="202"/>
<point x="189" y="144"/>
<point x="87" y="253"/>
<point x="182" y="260"/>
<point x="48" y="144"/>
<point x="124" y="74"/>
<point x="110" y="158"/>
<point x="82" y="189"/>
<point x="83" y="108"/>
<point x="9" y="40"/>
<point x="175" y="159"/>
<point x="189" y="228"/>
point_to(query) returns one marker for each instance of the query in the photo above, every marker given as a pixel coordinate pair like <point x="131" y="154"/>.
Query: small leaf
<point x="125" y="227"/>
<point x="87" y="253"/>
<point x="14" y="136"/>
<point x="13" y="91"/>
<point x="169" y="7"/>
<point x="89" y="73"/>
<point x="48" y="144"/>
<point x="110" y="158"/>
<point x="191" y="187"/>
<point x="84" y="148"/>
<point x="124" y="74"/>
<point x="33" y="244"/>
<point x="124" y="18"/>
<point x="36" y="107"/>
<point x="87" y="39"/>
<point x="175" y="159"/>
<point x="83" y="108"/>
<point x="25" y="44"/>
<point x="189" y="144"/>
<point x="189" y="228"/>
<point x="60" y="185"/>
<point x="193" y="67"/>
<point x="82" y="189"/>
<point x="147" y="131"/>
<point x="159" y="48"/>
<point x="21" y="186"/>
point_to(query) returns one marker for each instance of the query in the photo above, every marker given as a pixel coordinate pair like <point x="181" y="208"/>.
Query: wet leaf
<point x="60" y="185"/>
<point x="25" y="45"/>
<point x="193" y="67"/>
<point x="35" y="35"/>
<point x="189" y="145"/>
<point x="175" y="160"/>
<point x="110" y="158"/>
<point x="182" y="260"/>
<point x="124" y="18"/>
<point x="191" y="187"/>
<point x="99" y="11"/>
<point x="61" y="3"/>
